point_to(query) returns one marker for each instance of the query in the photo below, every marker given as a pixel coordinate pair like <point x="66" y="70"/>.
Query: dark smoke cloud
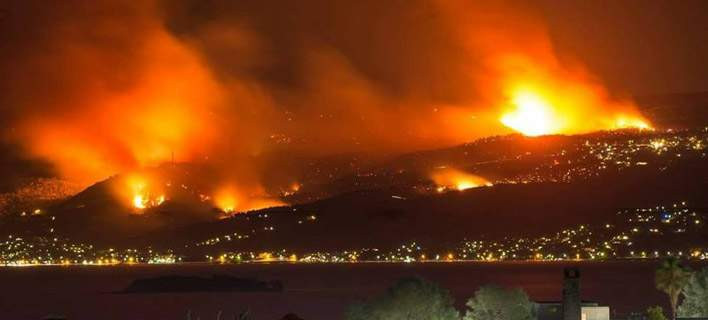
<point x="345" y="76"/>
<point x="16" y="168"/>
<point x="401" y="46"/>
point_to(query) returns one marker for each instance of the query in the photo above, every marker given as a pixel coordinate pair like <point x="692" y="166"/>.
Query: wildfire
<point x="538" y="112"/>
<point x="448" y="178"/>
<point x="171" y="98"/>
<point x="226" y="200"/>
<point x="232" y="200"/>
<point x="533" y="115"/>
<point x="140" y="195"/>
<point x="141" y="201"/>
<point x="292" y="189"/>
<point x="630" y="122"/>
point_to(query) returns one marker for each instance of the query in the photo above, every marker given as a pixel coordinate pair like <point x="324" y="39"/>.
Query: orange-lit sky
<point x="100" y="88"/>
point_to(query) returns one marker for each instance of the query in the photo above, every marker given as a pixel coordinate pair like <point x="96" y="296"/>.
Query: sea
<point x="312" y="291"/>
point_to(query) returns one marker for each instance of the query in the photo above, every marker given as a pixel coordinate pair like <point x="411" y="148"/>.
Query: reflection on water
<point x="311" y="291"/>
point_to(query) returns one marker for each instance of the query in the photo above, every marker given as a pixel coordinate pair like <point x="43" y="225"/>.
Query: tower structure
<point x="571" y="294"/>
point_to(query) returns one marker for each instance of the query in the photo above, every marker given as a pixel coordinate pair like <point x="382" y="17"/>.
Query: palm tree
<point x="671" y="277"/>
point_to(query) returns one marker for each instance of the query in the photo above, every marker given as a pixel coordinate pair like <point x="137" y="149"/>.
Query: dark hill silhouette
<point x="379" y="205"/>
<point x="98" y="216"/>
<point x="376" y="219"/>
<point x="676" y="110"/>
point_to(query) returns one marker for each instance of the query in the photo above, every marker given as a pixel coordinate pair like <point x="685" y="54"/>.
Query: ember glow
<point x="140" y="192"/>
<point x="292" y="189"/>
<point x="230" y="199"/>
<point x="225" y="199"/>
<point x="637" y="122"/>
<point x="141" y="201"/>
<point x="532" y="115"/>
<point x="548" y="105"/>
<point x="453" y="179"/>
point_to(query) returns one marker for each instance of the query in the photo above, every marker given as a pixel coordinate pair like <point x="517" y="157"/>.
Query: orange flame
<point x="231" y="200"/>
<point x="174" y="100"/>
<point x="453" y="179"/>
<point x="225" y="199"/>
<point x="136" y="191"/>
<point x="167" y="111"/>
<point x="532" y="116"/>
<point x="543" y="101"/>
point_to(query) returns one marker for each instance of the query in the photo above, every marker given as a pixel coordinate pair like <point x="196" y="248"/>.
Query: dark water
<point x="314" y="292"/>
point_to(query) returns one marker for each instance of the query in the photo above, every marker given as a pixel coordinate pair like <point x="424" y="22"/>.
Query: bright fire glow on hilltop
<point x="232" y="200"/>
<point x="630" y="122"/>
<point x="169" y="96"/>
<point x="226" y="200"/>
<point x="453" y="179"/>
<point x="539" y="112"/>
<point x="140" y="195"/>
<point x="533" y="116"/>
<point x="141" y="201"/>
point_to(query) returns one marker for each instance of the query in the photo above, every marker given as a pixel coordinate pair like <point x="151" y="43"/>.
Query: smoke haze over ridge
<point x="98" y="89"/>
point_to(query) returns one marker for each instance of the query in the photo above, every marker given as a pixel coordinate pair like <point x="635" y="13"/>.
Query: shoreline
<point x="277" y="262"/>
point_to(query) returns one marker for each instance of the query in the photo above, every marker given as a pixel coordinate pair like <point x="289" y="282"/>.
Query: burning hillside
<point x="199" y="185"/>
<point x="154" y="85"/>
<point x="533" y="114"/>
<point x="452" y="179"/>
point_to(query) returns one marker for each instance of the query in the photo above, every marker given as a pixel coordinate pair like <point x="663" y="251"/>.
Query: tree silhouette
<point x="409" y="299"/>
<point x="671" y="277"/>
<point x="497" y="303"/>
<point x="695" y="296"/>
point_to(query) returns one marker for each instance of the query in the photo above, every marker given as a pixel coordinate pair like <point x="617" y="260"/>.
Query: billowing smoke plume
<point x="104" y="87"/>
